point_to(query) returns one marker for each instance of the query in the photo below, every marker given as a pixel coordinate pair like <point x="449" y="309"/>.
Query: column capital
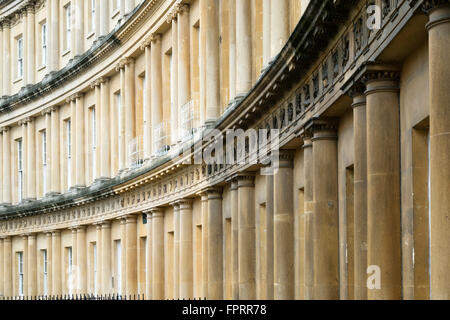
<point x="184" y="204"/>
<point x="157" y="212"/>
<point x="358" y="93"/>
<point x="438" y="12"/>
<point x="212" y="193"/>
<point x="429" y="5"/>
<point x="233" y="183"/>
<point x="23" y="122"/>
<point x="81" y="229"/>
<point x="5" y="22"/>
<point x="6" y="238"/>
<point x="48" y="110"/>
<point x="4" y="129"/>
<point x="323" y="128"/>
<point x="56" y="233"/>
<point x="245" y="179"/>
<point x="380" y="77"/>
<point x="306" y="135"/>
<point x="172" y="16"/>
<point x="182" y="8"/>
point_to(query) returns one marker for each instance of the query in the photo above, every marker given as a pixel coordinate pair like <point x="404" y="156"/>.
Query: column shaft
<point x="6" y="177"/>
<point x="232" y="44"/>
<point x="234" y="239"/>
<point x="148" y="254"/>
<point x="308" y="221"/>
<point x="215" y="254"/>
<point x="98" y="131"/>
<point x="279" y="25"/>
<point x="325" y="211"/>
<point x="79" y="27"/>
<point x="175" y="111"/>
<point x="121" y="124"/>
<point x="23" y="124"/>
<point x="2" y="266"/>
<point x="31" y="161"/>
<point x="383" y="182"/>
<point x="106" y="258"/>
<point x="31" y="62"/>
<point x="243" y="47"/>
<point x="176" y="251"/>
<point x="129" y="108"/>
<point x="32" y="266"/>
<point x="148" y="104"/>
<point x="204" y="199"/>
<point x="55" y="152"/>
<point x="360" y="193"/>
<point x="54" y="35"/>
<point x="186" y="253"/>
<point x="7" y="267"/>
<point x="212" y="62"/>
<point x="438" y="40"/>
<point x="6" y="58"/>
<point x="104" y="18"/>
<point x="158" y="255"/>
<point x="156" y="89"/>
<point x="48" y="135"/>
<point x="80" y="175"/>
<point x="266" y="32"/>
<point x="184" y="72"/>
<point x="131" y="255"/>
<point x="49" y="264"/>
<point x="105" y="111"/>
<point x="246" y="235"/>
<point x="81" y="260"/>
<point x="56" y="263"/>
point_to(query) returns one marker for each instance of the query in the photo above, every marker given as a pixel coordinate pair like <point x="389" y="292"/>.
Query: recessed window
<point x="68" y="15"/>
<point x="45" y="270"/>
<point x="20" y="57"/>
<point x="44" y="44"/>
<point x="20" y="170"/>
<point x="70" y="279"/>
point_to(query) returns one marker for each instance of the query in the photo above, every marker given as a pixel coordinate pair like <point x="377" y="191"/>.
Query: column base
<point x="76" y="188"/>
<point x="28" y="200"/>
<point x="101" y="180"/>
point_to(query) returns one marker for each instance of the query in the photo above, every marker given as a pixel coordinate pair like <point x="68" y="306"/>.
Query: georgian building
<point x="99" y="98"/>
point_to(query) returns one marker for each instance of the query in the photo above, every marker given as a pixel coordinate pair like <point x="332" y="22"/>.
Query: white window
<point x="44" y="162"/>
<point x="69" y="153"/>
<point x="20" y="57"/>
<point x="45" y="269"/>
<point x="20" y="272"/>
<point x="93" y="15"/>
<point x="119" y="266"/>
<point x="95" y="268"/>
<point x="20" y="170"/>
<point x="68" y="25"/>
<point x="70" y="279"/>
<point x="94" y="142"/>
<point x="44" y="44"/>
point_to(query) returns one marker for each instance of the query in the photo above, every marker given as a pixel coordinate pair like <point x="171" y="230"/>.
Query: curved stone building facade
<point x="113" y="116"/>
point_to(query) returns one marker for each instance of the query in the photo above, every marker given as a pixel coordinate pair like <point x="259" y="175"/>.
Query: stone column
<point x="212" y="62"/>
<point x="56" y="263"/>
<point x="204" y="202"/>
<point x="279" y="25"/>
<point x="234" y="238"/>
<point x="121" y="118"/>
<point x="25" y="264"/>
<point x="50" y="291"/>
<point x="48" y="133"/>
<point x="1" y="59"/>
<point x="270" y="236"/>
<point x="106" y="258"/>
<point x="215" y="254"/>
<point x="32" y="266"/>
<point x="23" y="125"/>
<point x="123" y="256"/>
<point x="232" y="44"/>
<point x="31" y="161"/>
<point x="246" y="236"/>
<point x="97" y="17"/>
<point x="325" y="209"/>
<point x="53" y="44"/>
<point x="243" y="48"/>
<point x="308" y="208"/>
<point x="6" y="57"/>
<point x="266" y="33"/>
<point x="383" y="180"/>
<point x="439" y="70"/>
<point x="73" y="145"/>
<point x="105" y="112"/>
<point x="55" y="152"/>
<point x="7" y="267"/>
<point x="6" y="177"/>
<point x="79" y="27"/>
<point x="176" y="250"/>
<point x="283" y="215"/>
<point x="31" y="57"/>
<point x="158" y="254"/>
<point x="2" y="265"/>
<point x="184" y="71"/>
<point x="104" y="18"/>
<point x="186" y="252"/>
<point x="81" y="260"/>
<point x="75" y="275"/>
<point x="156" y="87"/>
<point x="98" y="147"/>
<point x="129" y="107"/>
<point x="98" y="243"/>
<point x="148" y="102"/>
<point x="148" y="253"/>
<point x="131" y="255"/>
<point x="80" y="175"/>
<point x="360" y="190"/>
<point x="174" y="110"/>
